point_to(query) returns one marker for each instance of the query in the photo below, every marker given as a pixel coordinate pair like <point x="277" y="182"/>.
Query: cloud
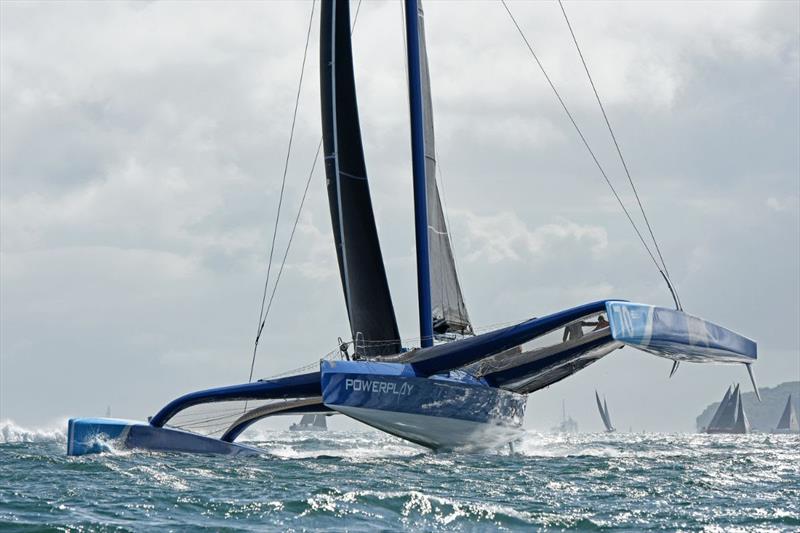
<point x="142" y="149"/>
<point x="504" y="236"/>
<point x="782" y="204"/>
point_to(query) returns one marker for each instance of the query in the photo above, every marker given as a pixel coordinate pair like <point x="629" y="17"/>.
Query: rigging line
<point x="291" y="235"/>
<point x="285" y="254"/>
<point x="283" y="184"/>
<point x="264" y="314"/>
<point x="583" y="139"/>
<point x="616" y="144"/>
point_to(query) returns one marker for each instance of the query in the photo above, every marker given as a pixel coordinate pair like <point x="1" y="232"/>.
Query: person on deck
<point x="601" y="323"/>
<point x="573" y="331"/>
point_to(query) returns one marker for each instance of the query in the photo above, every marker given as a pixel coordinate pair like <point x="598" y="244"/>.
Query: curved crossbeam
<point x="303" y="405"/>
<point x="301" y="386"/>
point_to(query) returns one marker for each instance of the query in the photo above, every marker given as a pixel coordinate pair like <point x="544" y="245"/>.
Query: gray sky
<point x="142" y="148"/>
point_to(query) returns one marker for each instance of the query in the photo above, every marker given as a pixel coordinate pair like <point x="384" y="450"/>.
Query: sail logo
<point x="378" y="387"/>
<point x="631" y="322"/>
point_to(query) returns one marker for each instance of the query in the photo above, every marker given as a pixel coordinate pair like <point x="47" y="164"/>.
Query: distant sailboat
<point x="730" y="416"/>
<point x="310" y="423"/>
<point x="603" y="408"/>
<point x="718" y="413"/>
<point x="788" y="422"/>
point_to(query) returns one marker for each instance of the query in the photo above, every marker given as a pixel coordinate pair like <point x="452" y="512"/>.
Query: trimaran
<point x="458" y="389"/>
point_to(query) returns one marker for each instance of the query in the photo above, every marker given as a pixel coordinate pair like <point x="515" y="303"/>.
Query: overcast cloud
<point x="141" y="151"/>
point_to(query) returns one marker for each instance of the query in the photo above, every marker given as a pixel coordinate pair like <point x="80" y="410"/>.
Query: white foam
<point x="441" y="509"/>
<point x="10" y="432"/>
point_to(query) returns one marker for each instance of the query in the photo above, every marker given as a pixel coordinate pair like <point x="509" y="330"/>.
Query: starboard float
<point x="458" y="390"/>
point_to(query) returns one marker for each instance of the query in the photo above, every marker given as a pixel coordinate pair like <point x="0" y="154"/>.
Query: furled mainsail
<point x="447" y="302"/>
<point x="366" y="290"/>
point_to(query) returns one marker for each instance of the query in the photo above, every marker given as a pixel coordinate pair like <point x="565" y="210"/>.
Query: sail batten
<point x="448" y="310"/>
<point x="366" y="289"/>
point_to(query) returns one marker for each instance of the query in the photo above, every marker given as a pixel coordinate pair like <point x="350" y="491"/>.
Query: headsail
<point x="742" y="425"/>
<point x="366" y="290"/>
<point x="448" y="309"/>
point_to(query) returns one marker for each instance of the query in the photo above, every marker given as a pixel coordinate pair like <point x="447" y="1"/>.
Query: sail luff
<point x="366" y="289"/>
<point x="448" y="311"/>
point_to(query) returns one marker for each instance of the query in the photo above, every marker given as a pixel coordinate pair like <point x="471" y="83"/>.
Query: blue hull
<point x="96" y="435"/>
<point x="442" y="412"/>
<point x="677" y="335"/>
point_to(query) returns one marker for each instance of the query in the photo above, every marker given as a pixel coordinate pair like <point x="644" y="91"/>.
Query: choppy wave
<point x="362" y="481"/>
<point x="11" y="432"/>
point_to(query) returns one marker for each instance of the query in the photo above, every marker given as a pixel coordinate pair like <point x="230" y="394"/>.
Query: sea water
<point x="364" y="481"/>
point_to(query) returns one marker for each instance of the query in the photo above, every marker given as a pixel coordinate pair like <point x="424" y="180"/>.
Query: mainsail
<point x="366" y="290"/>
<point x="727" y="418"/>
<point x="718" y="414"/>
<point x="788" y="421"/>
<point x="447" y="303"/>
<point x="319" y="422"/>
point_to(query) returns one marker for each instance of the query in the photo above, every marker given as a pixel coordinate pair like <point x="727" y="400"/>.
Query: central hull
<point x="452" y="412"/>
